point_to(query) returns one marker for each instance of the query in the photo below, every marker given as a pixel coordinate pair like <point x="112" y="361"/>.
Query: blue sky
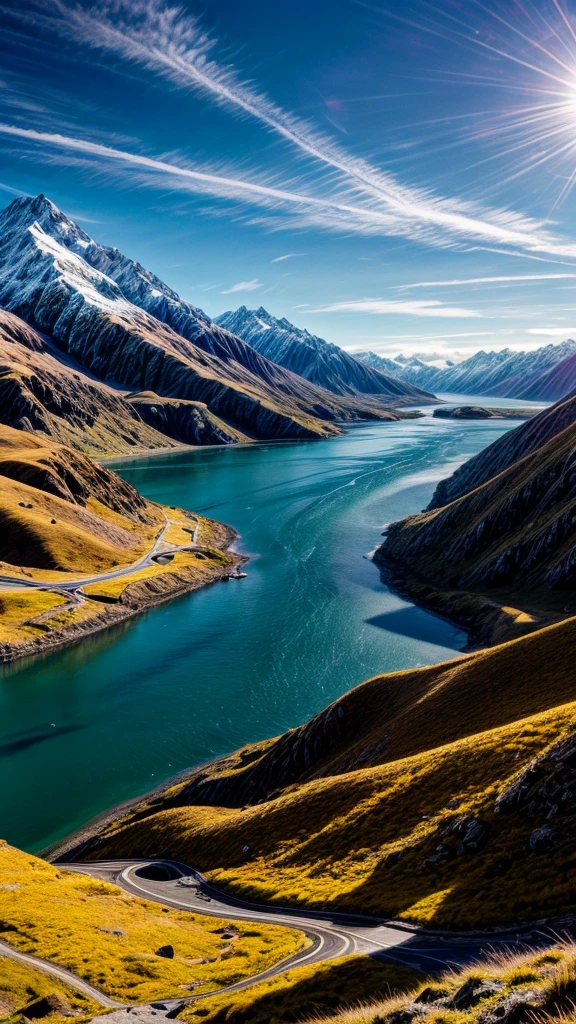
<point x="394" y="175"/>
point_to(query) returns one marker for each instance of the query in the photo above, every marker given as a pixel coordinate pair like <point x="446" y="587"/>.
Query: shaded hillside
<point x="47" y="280"/>
<point x="311" y="357"/>
<point x="42" y="392"/>
<point x="558" y="381"/>
<point x="518" y="530"/>
<point x="500" y="558"/>
<point x="405" y="798"/>
<point x="508" y="449"/>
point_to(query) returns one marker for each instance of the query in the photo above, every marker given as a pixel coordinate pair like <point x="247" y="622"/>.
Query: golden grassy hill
<point x="306" y="991"/>
<point x="530" y="988"/>
<point x="389" y="801"/>
<point x="64" y="518"/>
<point x="23" y="987"/>
<point x="61" y="511"/>
<point x="109" y="938"/>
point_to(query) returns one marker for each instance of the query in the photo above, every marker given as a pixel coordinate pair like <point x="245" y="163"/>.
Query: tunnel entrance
<point x="158" y="872"/>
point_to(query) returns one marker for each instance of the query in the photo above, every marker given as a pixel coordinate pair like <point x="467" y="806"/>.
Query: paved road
<point x="332" y="934"/>
<point x="77" y="984"/>
<point x="71" y="585"/>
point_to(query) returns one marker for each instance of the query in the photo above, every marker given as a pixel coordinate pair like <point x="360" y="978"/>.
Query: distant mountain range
<point x="545" y="374"/>
<point x="100" y="353"/>
<point x="317" y="360"/>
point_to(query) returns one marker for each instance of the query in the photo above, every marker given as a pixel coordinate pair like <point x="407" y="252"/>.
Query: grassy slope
<point x="61" y="513"/>
<point x="536" y="986"/>
<point x="540" y="983"/>
<point x="417" y="750"/>
<point x="21" y="986"/>
<point x="298" y="994"/>
<point x="109" y="938"/>
<point x="508" y="541"/>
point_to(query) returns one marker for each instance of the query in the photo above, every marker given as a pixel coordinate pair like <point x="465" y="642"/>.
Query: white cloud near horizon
<point x="243" y="286"/>
<point x="376" y="307"/>
<point x="552" y="332"/>
<point x="164" y="40"/>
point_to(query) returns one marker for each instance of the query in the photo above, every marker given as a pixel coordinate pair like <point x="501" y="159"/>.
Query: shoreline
<point x="404" y="413"/>
<point x="486" y="621"/>
<point x="114" y="614"/>
<point x="71" y="846"/>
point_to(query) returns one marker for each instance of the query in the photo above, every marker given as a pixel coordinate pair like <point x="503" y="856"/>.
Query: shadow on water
<point x="416" y="624"/>
<point x="16" y="742"/>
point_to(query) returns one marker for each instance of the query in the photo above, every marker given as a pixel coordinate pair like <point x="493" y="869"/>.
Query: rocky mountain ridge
<point x="543" y="375"/>
<point x="316" y="360"/>
<point x="123" y="334"/>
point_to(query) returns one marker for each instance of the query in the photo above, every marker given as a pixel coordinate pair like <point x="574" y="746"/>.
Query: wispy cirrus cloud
<point x="164" y="40"/>
<point x="11" y="190"/>
<point x="288" y="256"/>
<point x="502" y="279"/>
<point x="243" y="286"/>
<point x="388" y="306"/>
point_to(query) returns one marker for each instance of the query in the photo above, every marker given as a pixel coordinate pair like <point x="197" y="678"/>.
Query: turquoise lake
<point x="87" y="727"/>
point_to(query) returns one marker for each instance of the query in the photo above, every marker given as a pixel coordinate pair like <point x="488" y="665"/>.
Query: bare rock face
<point x="473" y="992"/>
<point x="154" y="1013"/>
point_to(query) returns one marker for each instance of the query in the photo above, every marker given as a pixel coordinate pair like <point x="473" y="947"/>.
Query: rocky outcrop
<point x="188" y="422"/>
<point x="317" y="360"/>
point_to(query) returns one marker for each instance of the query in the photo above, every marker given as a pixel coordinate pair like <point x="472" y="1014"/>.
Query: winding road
<point x="71" y="586"/>
<point x="331" y="934"/>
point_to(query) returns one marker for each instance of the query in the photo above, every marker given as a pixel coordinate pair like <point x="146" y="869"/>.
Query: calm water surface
<point x="109" y="719"/>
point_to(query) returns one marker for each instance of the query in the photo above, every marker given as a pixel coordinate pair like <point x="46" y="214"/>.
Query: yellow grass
<point x="543" y="979"/>
<point x="113" y="589"/>
<point x="70" y="919"/>
<point x="18" y="607"/>
<point x="417" y="750"/>
<point x="21" y="985"/>
<point x="305" y="991"/>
